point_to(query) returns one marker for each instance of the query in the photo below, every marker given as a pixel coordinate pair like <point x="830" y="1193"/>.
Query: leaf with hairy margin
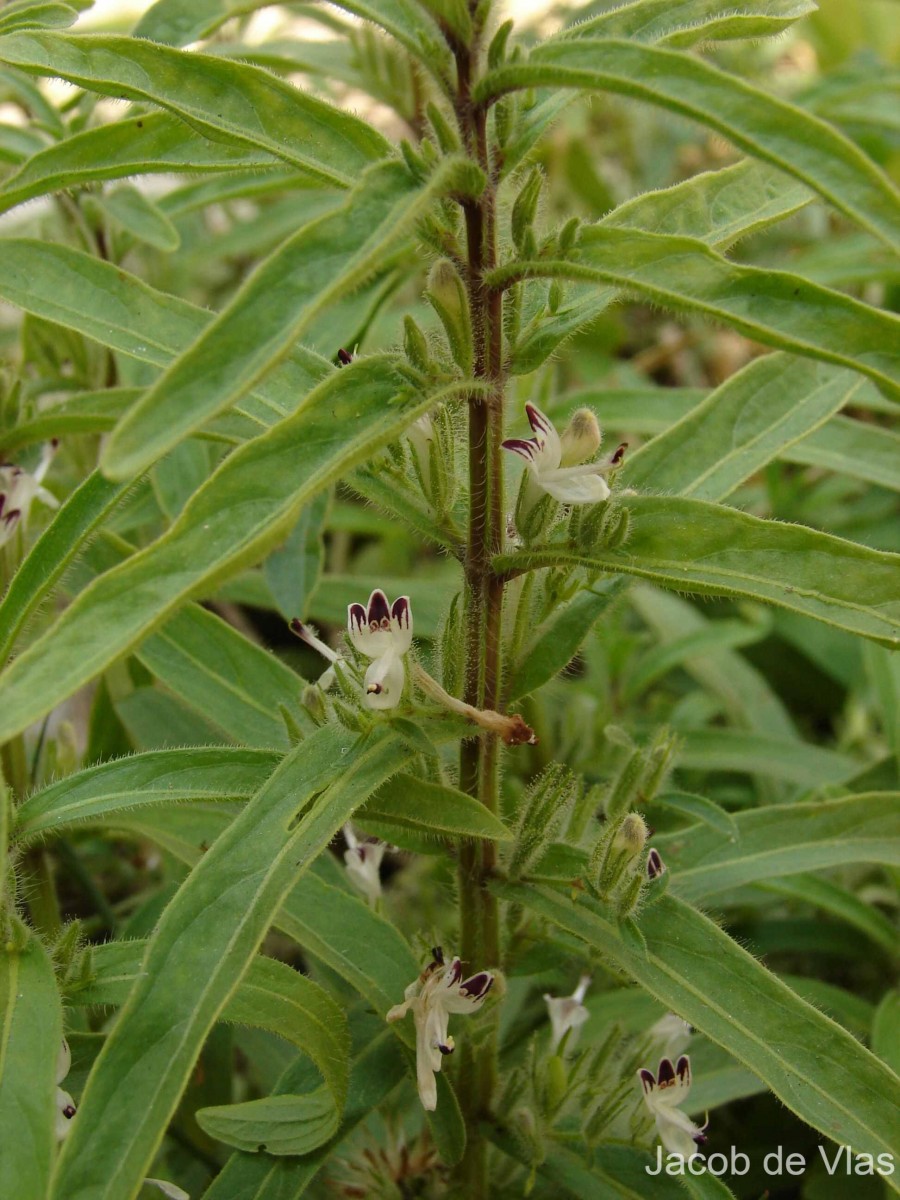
<point x="761" y="125"/>
<point x="694" y="546"/>
<point x="227" y="101"/>
<point x="323" y="261"/>
<point x="242" y="511"/>
<point x="202" y="946"/>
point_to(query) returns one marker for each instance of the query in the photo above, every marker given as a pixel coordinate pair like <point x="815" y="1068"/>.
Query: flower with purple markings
<point x="663" y="1093"/>
<point x="557" y="463"/>
<point x="383" y="633"/>
<point x="363" y="862"/>
<point x="18" y="491"/>
<point x="438" y="992"/>
<point x="65" y="1105"/>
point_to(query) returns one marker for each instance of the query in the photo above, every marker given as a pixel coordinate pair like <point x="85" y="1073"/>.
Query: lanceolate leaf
<point x="683" y="22"/>
<point x="201" y="948"/>
<point x="53" y="552"/>
<point x="693" y="546"/>
<point x="244" y="508"/>
<point x="717" y="207"/>
<point x="234" y="683"/>
<point x="763" y="126"/>
<point x="118" y="310"/>
<point x="147" y="144"/>
<point x="326" y="259"/>
<point x="774" y="307"/>
<point x="741" y="427"/>
<point x="227" y="101"/>
<point x="820" y="1072"/>
<point x="784" y="840"/>
<point x="432" y="809"/>
<point x="30" y="1039"/>
<point x="160" y="777"/>
<point x="181" y="22"/>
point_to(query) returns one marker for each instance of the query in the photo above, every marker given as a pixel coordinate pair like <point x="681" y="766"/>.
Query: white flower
<point x="438" y="992"/>
<point x="363" y="860"/>
<point x="383" y="633"/>
<point x="655" y="865"/>
<point x="553" y="460"/>
<point x="568" y="1013"/>
<point x="18" y="491"/>
<point x="663" y="1093"/>
<point x="65" y="1105"/>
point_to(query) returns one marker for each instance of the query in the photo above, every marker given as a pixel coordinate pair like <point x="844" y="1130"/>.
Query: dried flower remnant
<point x="439" y="992"/>
<point x="664" y="1092"/>
<point x="557" y="463"/>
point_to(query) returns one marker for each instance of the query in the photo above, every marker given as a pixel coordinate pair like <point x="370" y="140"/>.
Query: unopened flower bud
<point x="447" y="296"/>
<point x="631" y="835"/>
<point x="581" y="438"/>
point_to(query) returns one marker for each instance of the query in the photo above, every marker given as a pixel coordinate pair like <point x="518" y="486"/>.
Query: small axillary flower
<point x="557" y="464"/>
<point x="363" y="862"/>
<point x="18" y="491"/>
<point x="438" y="992"/>
<point x="568" y="1013"/>
<point x="383" y="633"/>
<point x="65" y="1105"/>
<point x="663" y="1093"/>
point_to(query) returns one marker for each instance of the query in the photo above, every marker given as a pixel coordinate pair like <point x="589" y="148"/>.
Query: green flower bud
<point x="447" y="296"/>
<point x="581" y="438"/>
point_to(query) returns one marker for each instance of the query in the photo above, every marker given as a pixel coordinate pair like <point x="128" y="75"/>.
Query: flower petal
<point x="384" y="681"/>
<point x="402" y="624"/>
<point x="546" y="437"/>
<point x="578" y="489"/>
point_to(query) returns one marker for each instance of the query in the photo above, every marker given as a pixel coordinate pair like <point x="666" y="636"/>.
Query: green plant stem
<point x="480" y="757"/>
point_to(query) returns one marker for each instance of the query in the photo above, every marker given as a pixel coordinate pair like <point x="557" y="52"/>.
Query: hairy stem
<point x="480" y="757"/>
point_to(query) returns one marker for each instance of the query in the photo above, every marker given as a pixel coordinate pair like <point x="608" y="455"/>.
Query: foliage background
<point x="769" y="707"/>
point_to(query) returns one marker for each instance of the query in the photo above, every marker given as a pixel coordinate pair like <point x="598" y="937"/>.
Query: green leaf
<point x="246" y="506"/>
<point x="118" y="310"/>
<point x="181" y="22"/>
<point x="716" y="207"/>
<point x="30" y="1037"/>
<point x="712" y="636"/>
<point x="375" y="1071"/>
<point x="701" y="809"/>
<point x="744" y="691"/>
<point x="36" y="16"/>
<point x="885" y="1028"/>
<point x="408" y="803"/>
<point x="140" y="217"/>
<point x="694" y="546"/>
<point x="227" y="101"/>
<point x="53" y="553"/>
<point x="229" y="680"/>
<point x="557" y="640"/>
<point x="291" y="1125"/>
<point x="273" y="996"/>
<point x="161" y="777"/>
<point x="856" y="448"/>
<point x="292" y="571"/>
<point x="345" y="934"/>
<point x="412" y="27"/>
<point x="772" y="307"/>
<point x="323" y="261"/>
<point x="203" y="944"/>
<point x="685" y="22"/>
<point x="816" y="1068"/>
<point x="145" y="144"/>
<point x="787" y="839"/>
<point x="792" y="760"/>
<point x="741" y="426"/>
<point x="763" y="126"/>
<point x="840" y="902"/>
